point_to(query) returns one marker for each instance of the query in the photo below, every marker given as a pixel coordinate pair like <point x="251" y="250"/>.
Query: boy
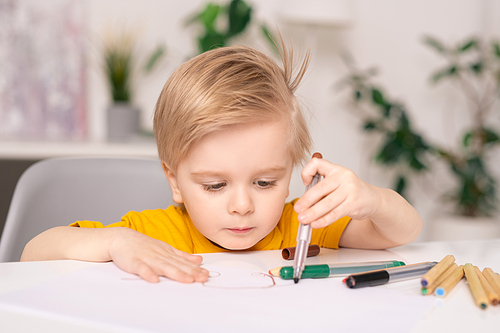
<point x="229" y="132"/>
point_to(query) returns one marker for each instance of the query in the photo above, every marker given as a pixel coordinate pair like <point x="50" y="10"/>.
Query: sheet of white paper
<point x="233" y="300"/>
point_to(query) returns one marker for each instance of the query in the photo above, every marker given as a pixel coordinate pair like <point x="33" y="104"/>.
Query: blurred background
<point x="405" y="94"/>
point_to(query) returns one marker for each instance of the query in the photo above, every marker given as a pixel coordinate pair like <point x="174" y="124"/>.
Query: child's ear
<point x="172" y="180"/>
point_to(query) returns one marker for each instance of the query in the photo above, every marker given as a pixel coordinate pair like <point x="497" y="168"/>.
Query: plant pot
<point x="123" y="121"/>
<point x="448" y="227"/>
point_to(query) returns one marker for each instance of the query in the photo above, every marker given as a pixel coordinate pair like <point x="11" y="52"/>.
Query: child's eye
<point x="213" y="187"/>
<point x="265" y="184"/>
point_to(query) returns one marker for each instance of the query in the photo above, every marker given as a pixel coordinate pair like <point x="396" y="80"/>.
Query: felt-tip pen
<point x="383" y="276"/>
<point x="332" y="270"/>
<point x="304" y="236"/>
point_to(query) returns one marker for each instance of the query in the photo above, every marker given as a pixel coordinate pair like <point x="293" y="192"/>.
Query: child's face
<point x="234" y="183"/>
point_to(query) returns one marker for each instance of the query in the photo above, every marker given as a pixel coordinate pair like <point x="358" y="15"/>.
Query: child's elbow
<point x="413" y="231"/>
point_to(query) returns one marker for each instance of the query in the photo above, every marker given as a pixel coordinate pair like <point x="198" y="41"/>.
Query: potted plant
<point x="120" y="62"/>
<point x="402" y="149"/>
<point x="475" y="68"/>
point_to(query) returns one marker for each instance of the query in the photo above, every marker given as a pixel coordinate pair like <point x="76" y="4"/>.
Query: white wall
<point x="382" y="33"/>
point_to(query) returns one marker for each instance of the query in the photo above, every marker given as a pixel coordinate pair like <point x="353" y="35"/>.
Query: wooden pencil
<point x="475" y="286"/>
<point x="275" y="271"/>
<point x="490" y="292"/>
<point x="450" y="282"/>
<point x="431" y="276"/>
<point x="430" y="289"/>
<point x="493" y="279"/>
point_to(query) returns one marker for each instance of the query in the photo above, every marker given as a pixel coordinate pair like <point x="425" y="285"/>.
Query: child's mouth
<point x="240" y="230"/>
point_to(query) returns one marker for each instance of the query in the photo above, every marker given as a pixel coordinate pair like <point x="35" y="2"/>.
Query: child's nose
<point x="241" y="202"/>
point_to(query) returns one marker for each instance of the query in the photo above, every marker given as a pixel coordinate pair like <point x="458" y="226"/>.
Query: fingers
<point x="178" y="269"/>
<point x="341" y="193"/>
<point x="182" y="267"/>
<point x="328" y="207"/>
<point x="330" y="216"/>
<point x="332" y="174"/>
<point x="150" y="259"/>
<point x="313" y="167"/>
<point x="182" y="271"/>
<point x="191" y="257"/>
<point x="145" y="272"/>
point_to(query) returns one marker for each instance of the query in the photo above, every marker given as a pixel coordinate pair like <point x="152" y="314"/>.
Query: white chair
<point x="57" y="192"/>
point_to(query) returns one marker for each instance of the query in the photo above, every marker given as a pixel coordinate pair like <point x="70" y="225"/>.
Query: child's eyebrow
<point x="218" y="173"/>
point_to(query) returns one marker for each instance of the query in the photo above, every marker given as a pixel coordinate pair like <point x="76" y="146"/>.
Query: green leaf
<point x="387" y="110"/>
<point x="271" y="39"/>
<point x="496" y="49"/>
<point x="370" y="125"/>
<point x="435" y="44"/>
<point x="400" y="184"/>
<point x="239" y="16"/>
<point x="490" y="136"/>
<point x="477" y="67"/>
<point x="209" y="15"/>
<point x="443" y="153"/>
<point x="154" y="58"/>
<point x="450" y="71"/>
<point x="118" y="66"/>
<point x="416" y="164"/>
<point x="377" y="97"/>
<point x="211" y="40"/>
<point x="467" y="45"/>
<point x="357" y="95"/>
<point x="404" y="122"/>
<point x="390" y="152"/>
<point x="467" y="139"/>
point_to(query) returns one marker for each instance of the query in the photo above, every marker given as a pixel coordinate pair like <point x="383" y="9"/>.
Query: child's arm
<point x="130" y="250"/>
<point x="381" y="218"/>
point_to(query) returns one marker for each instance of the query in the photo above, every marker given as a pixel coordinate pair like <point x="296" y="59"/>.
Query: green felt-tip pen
<point x="340" y="269"/>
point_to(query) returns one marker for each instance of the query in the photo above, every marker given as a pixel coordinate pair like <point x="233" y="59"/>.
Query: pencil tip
<point x="275" y="271"/>
<point x="296" y="280"/>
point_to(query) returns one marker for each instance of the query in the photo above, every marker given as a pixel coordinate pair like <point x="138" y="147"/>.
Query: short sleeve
<point x="125" y="222"/>
<point x="329" y="236"/>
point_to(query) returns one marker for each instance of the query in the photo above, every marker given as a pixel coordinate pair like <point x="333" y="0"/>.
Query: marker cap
<point x="309" y="272"/>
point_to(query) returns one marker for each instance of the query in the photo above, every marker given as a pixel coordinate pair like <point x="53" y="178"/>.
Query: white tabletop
<point x="455" y="313"/>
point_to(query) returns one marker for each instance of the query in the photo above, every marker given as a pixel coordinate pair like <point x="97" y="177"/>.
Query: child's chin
<point x="239" y="246"/>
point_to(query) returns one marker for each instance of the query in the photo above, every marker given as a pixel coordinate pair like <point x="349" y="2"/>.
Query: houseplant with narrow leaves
<point x="121" y="60"/>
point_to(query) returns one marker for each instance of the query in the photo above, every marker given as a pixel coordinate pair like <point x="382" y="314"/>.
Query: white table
<point x="455" y="313"/>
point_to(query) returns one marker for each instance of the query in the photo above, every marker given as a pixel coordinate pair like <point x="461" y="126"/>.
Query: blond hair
<point x="224" y="87"/>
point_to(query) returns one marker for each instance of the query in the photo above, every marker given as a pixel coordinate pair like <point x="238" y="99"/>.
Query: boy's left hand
<point x="341" y="193"/>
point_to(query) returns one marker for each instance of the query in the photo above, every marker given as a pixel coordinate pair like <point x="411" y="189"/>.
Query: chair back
<point x="60" y="191"/>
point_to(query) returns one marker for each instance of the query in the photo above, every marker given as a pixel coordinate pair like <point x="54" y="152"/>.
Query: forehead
<point x="250" y="146"/>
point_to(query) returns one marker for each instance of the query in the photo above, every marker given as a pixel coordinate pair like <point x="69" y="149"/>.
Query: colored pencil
<point x="450" y="282"/>
<point x="431" y="276"/>
<point x="430" y="289"/>
<point x="475" y="286"/>
<point x="493" y="279"/>
<point x="275" y="271"/>
<point x="490" y="292"/>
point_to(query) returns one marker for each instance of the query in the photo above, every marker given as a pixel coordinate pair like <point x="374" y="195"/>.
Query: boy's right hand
<point x="151" y="258"/>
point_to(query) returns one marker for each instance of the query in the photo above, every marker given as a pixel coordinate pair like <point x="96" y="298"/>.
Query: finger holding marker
<point x="341" y="193"/>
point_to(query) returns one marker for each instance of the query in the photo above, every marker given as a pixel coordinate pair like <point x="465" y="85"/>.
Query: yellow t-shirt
<point x="174" y="227"/>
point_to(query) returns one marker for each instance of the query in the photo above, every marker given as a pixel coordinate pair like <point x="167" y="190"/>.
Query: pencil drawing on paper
<point x="231" y="280"/>
<point x="256" y="280"/>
